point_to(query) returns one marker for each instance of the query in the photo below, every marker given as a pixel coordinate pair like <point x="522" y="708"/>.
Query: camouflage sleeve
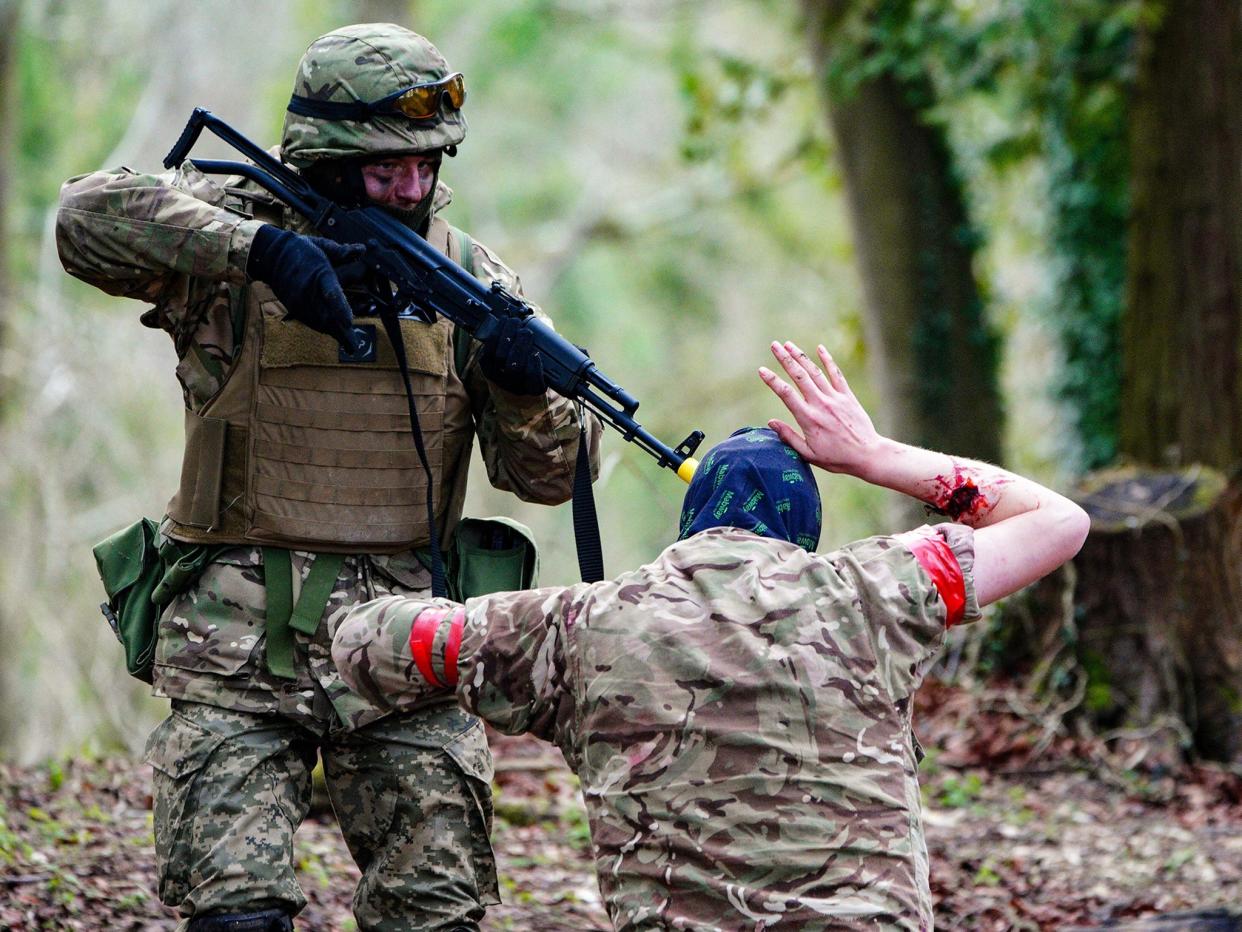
<point x="372" y="651"/>
<point x="519" y="676"/>
<point x="144" y="236"/>
<point x="906" y="611"/>
<point x="505" y="653"/>
<point x="529" y="444"/>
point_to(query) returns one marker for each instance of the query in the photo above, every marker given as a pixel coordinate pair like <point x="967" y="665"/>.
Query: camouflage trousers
<point x="412" y="793"/>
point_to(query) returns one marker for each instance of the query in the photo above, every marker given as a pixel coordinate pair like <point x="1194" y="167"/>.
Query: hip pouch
<point x="130" y="567"/>
<point x="490" y="555"/>
<point x="141" y="574"/>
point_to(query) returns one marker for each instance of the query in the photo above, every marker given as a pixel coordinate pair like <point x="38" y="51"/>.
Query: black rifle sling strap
<point x="586" y="522"/>
<point x="392" y="326"/>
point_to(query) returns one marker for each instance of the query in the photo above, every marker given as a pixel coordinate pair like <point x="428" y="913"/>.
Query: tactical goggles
<point x="420" y="102"/>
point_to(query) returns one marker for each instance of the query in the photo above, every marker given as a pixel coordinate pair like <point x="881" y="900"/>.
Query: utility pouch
<point x="491" y="555"/>
<point x="130" y="567"/>
<point x="141" y="574"/>
<point x="183" y="564"/>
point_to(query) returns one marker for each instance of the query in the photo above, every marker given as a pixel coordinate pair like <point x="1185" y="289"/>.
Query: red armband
<point x="937" y="557"/>
<point x="423" y="639"/>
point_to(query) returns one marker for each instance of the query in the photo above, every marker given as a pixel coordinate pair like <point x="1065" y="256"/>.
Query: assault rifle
<point x="433" y="284"/>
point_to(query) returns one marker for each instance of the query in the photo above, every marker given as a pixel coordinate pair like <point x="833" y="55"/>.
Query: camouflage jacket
<point x="179" y="242"/>
<point x="738" y="713"/>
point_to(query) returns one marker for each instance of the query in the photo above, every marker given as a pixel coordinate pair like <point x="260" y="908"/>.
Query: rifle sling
<point x="586" y="522"/>
<point x="392" y="327"/>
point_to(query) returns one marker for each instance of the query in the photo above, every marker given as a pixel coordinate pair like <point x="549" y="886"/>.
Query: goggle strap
<point x="331" y="109"/>
<point x="361" y="109"/>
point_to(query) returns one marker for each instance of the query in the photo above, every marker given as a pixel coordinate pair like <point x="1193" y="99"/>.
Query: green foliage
<point x="568" y="819"/>
<point x="521" y="32"/>
<point x="132" y="900"/>
<point x="722" y="90"/>
<point x="312" y="865"/>
<point x="959" y="792"/>
<point x="579" y="829"/>
<point x="922" y="60"/>
<point x="13" y="847"/>
<point x="743" y="108"/>
<point x="1058" y="75"/>
<point x="1088" y="167"/>
<point x="1075" y="76"/>
<point x="1179" y="859"/>
<point x="58" y="92"/>
<point x="986" y="876"/>
<point x="1099" y="698"/>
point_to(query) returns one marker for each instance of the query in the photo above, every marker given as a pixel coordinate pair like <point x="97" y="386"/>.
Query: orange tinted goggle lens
<point x="423" y="100"/>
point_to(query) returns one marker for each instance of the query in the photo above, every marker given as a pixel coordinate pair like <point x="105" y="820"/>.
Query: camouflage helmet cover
<point x="367" y="62"/>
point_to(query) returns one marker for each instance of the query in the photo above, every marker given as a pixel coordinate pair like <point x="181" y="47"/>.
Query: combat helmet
<point x="368" y="90"/>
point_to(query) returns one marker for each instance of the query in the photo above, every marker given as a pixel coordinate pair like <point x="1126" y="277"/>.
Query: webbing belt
<point x="283" y="617"/>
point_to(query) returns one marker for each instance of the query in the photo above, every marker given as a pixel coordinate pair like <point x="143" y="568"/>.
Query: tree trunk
<point x="932" y="354"/>
<point x="1182" y="338"/>
<point x="1160" y="578"/>
<point x="1160" y="603"/>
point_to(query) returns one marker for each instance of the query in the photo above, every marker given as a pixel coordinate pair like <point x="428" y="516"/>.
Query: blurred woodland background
<point x="1017" y="224"/>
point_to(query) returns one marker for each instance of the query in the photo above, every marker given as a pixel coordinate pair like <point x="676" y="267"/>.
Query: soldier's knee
<point x="264" y="920"/>
<point x="417" y="820"/>
<point x="228" y="790"/>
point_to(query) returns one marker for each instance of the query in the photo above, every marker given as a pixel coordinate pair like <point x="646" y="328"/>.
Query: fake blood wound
<point x="958" y="496"/>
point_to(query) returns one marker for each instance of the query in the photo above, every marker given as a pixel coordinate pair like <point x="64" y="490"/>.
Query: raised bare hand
<point x="836" y="433"/>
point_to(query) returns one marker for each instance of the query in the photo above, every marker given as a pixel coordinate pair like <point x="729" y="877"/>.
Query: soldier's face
<point x="399" y="181"/>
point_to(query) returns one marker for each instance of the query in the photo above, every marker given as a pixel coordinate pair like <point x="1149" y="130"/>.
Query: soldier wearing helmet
<point x="301" y="496"/>
<point x="371" y="117"/>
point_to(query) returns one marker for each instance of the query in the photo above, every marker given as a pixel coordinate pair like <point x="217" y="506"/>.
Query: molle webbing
<point x="304" y="451"/>
<point x="331" y="453"/>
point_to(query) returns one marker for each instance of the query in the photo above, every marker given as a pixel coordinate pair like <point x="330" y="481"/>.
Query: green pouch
<point x="490" y="555"/>
<point x="130" y="567"/>
<point x="141" y="574"/>
<point x="183" y="565"/>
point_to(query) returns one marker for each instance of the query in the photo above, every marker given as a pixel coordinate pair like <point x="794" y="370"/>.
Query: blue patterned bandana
<point x="754" y="482"/>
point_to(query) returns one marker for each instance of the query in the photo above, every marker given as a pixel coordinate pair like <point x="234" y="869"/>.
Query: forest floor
<point x="1028" y="827"/>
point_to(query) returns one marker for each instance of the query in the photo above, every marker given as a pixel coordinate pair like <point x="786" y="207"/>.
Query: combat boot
<point x="267" y="920"/>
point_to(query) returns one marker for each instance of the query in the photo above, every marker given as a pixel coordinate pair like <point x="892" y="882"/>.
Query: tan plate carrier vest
<point x="303" y="451"/>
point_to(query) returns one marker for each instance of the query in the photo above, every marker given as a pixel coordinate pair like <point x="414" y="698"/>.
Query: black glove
<point x="510" y="360"/>
<point x="305" y="273"/>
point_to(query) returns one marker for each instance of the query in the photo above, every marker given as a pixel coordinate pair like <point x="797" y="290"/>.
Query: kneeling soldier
<point x="738" y="710"/>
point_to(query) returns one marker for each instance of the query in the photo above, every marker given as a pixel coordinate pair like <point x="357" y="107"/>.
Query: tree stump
<point x="1159" y="603"/>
